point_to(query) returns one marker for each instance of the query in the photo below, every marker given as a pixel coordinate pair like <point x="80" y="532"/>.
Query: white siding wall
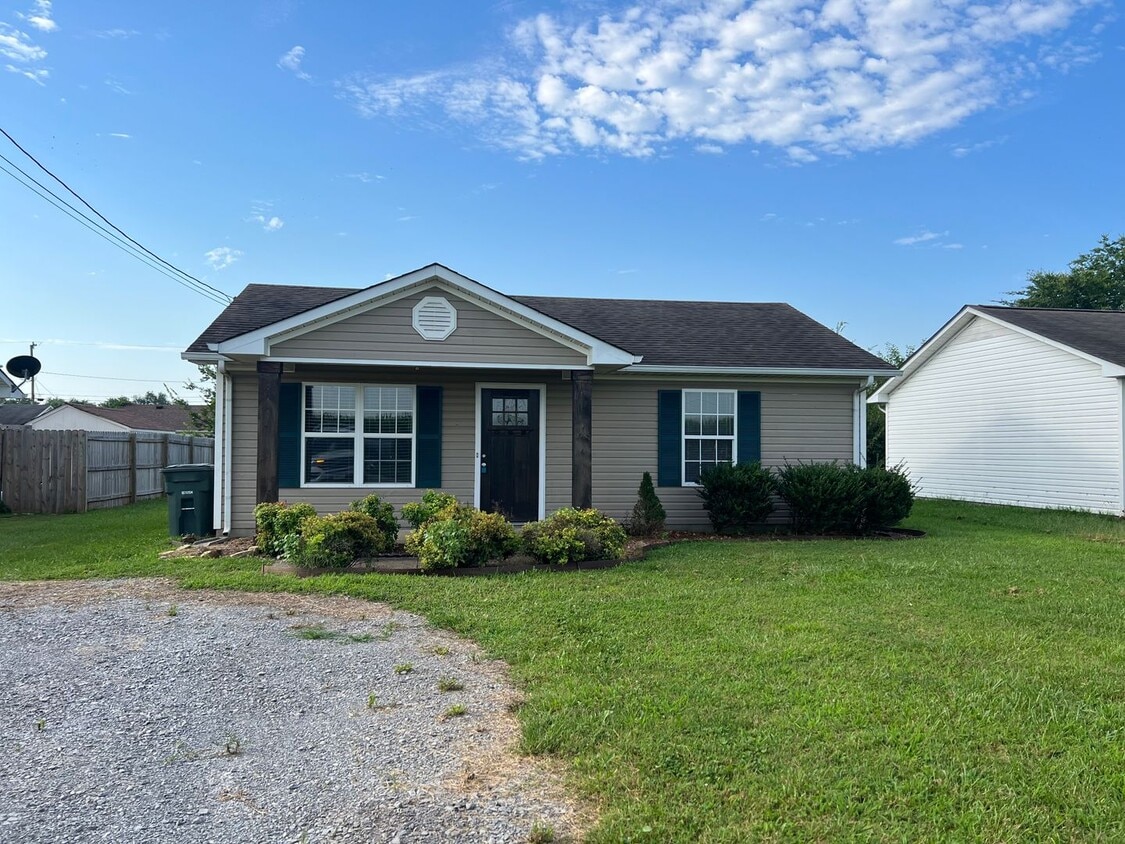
<point x="67" y="418"/>
<point x="999" y="417"/>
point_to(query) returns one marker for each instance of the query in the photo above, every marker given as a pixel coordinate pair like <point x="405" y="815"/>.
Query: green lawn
<point x="965" y="686"/>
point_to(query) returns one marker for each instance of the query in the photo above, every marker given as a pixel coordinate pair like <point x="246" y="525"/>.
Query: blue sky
<point x="874" y="164"/>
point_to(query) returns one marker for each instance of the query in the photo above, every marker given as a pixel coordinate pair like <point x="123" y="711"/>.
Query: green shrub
<point x="648" y="513"/>
<point x="823" y="497"/>
<point x="5" y="510"/>
<point x="276" y="520"/>
<point x="335" y="541"/>
<point x="569" y="535"/>
<point x="889" y="497"/>
<point x="384" y="515"/>
<point x="433" y="501"/>
<point x="737" y="498"/>
<point x="459" y="535"/>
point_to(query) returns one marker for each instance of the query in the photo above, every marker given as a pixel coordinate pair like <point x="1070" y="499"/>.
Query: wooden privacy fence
<point x="75" y="471"/>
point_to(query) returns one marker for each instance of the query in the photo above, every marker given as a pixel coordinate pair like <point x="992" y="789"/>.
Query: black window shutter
<point x="427" y="474"/>
<point x="289" y="436"/>
<point x="749" y="426"/>
<point x="669" y="448"/>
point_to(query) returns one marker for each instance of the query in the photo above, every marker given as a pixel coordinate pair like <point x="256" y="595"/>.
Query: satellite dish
<point x="24" y="366"/>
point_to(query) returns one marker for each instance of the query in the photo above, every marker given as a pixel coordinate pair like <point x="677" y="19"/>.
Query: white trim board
<point x="489" y="385"/>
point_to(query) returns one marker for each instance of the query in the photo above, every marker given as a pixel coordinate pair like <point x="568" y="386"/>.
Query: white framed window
<point x="357" y="435"/>
<point x="710" y="419"/>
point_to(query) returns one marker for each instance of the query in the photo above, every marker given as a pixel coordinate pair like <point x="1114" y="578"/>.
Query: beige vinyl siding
<point x="799" y="422"/>
<point x="387" y="333"/>
<point x="1003" y="418"/>
<point x="458" y="464"/>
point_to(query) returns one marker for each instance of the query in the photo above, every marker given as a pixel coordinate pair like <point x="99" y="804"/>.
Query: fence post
<point x="133" y="467"/>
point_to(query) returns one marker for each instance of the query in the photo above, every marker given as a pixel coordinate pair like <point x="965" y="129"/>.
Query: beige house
<point x="516" y="404"/>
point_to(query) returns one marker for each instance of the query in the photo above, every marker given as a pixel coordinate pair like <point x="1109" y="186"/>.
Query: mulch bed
<point x="399" y="562"/>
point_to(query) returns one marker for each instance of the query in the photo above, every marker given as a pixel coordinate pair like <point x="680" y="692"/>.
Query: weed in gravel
<point x="372" y="700"/>
<point x="439" y="650"/>
<point x="318" y="632"/>
<point x="173" y="610"/>
<point x="455" y="711"/>
<point x="40" y="725"/>
<point x="450" y="684"/>
<point x="232" y="745"/>
<point x="541" y="833"/>
<point x="360" y="638"/>
<point x="388" y="630"/>
<point x="404" y="668"/>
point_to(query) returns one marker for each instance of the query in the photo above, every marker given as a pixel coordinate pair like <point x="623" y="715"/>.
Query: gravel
<point x="131" y="711"/>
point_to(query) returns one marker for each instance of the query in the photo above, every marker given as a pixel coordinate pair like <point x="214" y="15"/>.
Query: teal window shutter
<point x="427" y="473"/>
<point x="669" y="435"/>
<point x="749" y="426"/>
<point x="289" y="436"/>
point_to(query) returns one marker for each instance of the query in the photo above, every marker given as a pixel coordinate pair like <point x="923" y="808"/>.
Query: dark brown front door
<point x="509" y="453"/>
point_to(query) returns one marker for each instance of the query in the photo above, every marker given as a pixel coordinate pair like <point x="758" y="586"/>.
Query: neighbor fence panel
<point x="73" y="471"/>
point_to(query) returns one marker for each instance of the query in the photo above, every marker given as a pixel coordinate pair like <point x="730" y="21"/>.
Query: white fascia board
<point x="202" y="357"/>
<point x="257" y="342"/>
<point x="658" y="369"/>
<point x="423" y="364"/>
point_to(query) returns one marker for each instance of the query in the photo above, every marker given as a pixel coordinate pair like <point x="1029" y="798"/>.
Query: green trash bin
<point x="191" y="492"/>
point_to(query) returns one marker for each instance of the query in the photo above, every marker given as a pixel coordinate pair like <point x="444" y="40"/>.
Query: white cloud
<point x="924" y="236"/>
<point x="115" y="86"/>
<point x="291" y="61"/>
<point x="122" y="135"/>
<point x="36" y="75"/>
<point x="222" y="257"/>
<point x="809" y="79"/>
<point x="366" y="178"/>
<point x="260" y="213"/>
<point x="39" y="16"/>
<point x="18" y="47"/>
<point x="961" y="150"/>
<point x="115" y="33"/>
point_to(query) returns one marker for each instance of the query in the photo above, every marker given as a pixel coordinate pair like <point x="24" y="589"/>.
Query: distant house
<point x="169" y="418"/>
<point x="516" y="404"/>
<point x="14" y="415"/>
<point x="1021" y="406"/>
<point x="8" y="388"/>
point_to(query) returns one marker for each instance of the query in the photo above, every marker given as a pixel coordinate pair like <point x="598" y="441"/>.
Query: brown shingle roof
<point x="704" y="334"/>
<point x="1097" y="333"/>
<point x="146" y="417"/>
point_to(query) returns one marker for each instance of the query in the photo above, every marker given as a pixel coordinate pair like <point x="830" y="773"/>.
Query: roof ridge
<point x="1061" y="310"/>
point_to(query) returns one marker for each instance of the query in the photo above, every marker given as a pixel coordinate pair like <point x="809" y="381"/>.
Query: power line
<point x="109" y="377"/>
<point x="72" y="212"/>
<point x="106" y="220"/>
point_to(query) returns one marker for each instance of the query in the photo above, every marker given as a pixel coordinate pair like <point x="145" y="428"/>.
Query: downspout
<point x="859" y="422"/>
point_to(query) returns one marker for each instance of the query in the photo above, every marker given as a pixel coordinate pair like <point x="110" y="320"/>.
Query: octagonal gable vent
<point x="434" y="318"/>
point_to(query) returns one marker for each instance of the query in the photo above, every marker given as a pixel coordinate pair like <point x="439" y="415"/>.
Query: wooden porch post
<point x="581" y="481"/>
<point x="269" y="397"/>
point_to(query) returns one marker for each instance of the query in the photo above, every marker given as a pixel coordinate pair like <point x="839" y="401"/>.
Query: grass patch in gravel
<point x="966" y="686"/>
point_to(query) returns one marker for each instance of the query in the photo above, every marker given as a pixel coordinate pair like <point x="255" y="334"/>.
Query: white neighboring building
<point x="8" y="388"/>
<point x="1021" y="406"/>
<point x="170" y="418"/>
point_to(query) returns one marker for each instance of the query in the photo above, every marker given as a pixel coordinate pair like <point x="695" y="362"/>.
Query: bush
<point x="459" y="535"/>
<point x="736" y="498"/>
<point x="433" y="501"/>
<point x="276" y="520"/>
<point x="335" y="541"/>
<point x="648" y="513"/>
<point x="824" y="497"/>
<point x="384" y="515"/>
<point x="889" y="497"/>
<point x="569" y="535"/>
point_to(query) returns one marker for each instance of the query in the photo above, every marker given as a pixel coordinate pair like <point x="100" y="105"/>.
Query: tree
<point x="1096" y="280"/>
<point x="203" y="417"/>
<point x="876" y="418"/>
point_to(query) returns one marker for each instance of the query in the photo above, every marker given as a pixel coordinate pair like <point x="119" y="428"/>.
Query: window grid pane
<point x="330" y="413"/>
<point x="708" y="430"/>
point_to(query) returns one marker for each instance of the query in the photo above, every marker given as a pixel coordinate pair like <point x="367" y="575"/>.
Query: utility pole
<point x="33" y="345"/>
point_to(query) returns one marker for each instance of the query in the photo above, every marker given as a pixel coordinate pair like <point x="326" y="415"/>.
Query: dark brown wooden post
<point x="269" y="397"/>
<point x="581" y="481"/>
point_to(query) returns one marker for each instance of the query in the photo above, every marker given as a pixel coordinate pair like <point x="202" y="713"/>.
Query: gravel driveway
<point x="131" y="711"/>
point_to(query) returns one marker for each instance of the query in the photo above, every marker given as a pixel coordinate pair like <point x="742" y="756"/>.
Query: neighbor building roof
<point x="146" y="417"/>
<point x="1097" y="333"/>
<point x="669" y="333"/>
<point x="19" y="414"/>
